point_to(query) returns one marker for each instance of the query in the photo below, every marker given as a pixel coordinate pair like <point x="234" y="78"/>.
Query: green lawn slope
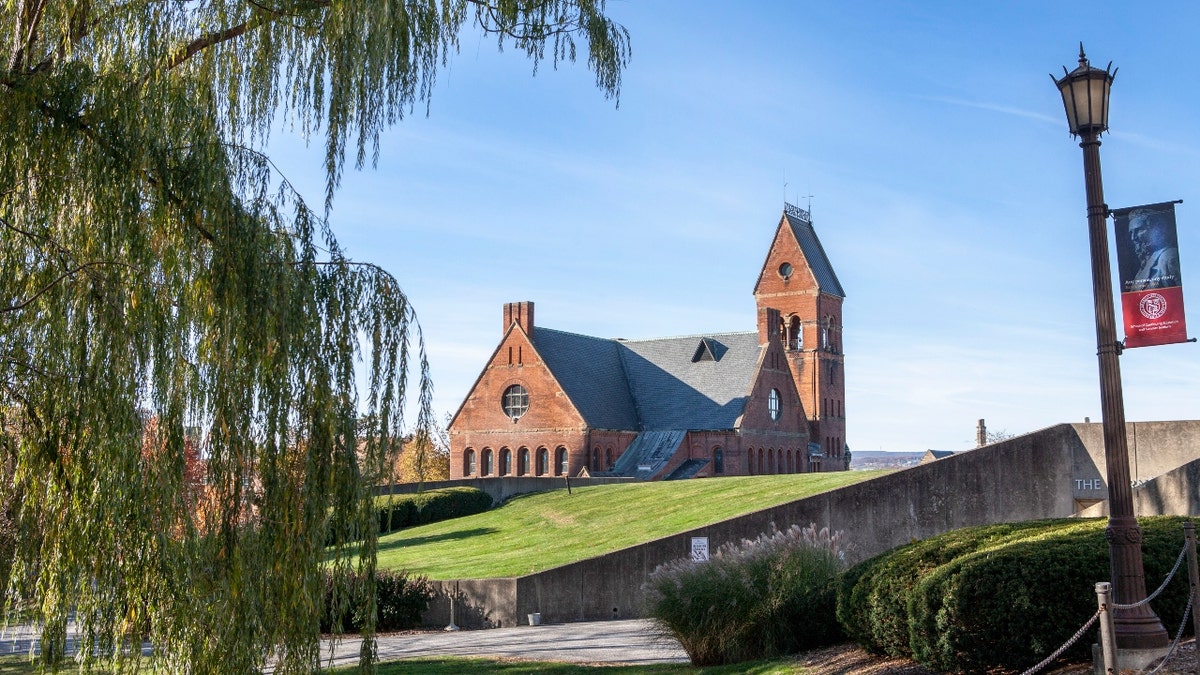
<point x="535" y="532"/>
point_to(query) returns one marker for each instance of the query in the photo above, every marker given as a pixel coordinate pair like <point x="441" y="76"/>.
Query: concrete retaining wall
<point x="1038" y="475"/>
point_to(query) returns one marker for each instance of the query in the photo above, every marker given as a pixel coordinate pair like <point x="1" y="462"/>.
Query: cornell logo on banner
<point x="1151" y="285"/>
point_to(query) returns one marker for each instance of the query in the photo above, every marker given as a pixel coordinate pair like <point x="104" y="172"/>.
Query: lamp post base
<point x="1138" y="628"/>
<point x="1136" y="660"/>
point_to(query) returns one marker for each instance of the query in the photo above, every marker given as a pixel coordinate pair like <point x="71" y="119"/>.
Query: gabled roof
<point x="694" y="382"/>
<point x="591" y="373"/>
<point x="814" y="253"/>
<point x="674" y="392"/>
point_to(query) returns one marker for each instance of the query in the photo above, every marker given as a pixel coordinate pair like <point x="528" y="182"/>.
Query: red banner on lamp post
<point x="1151" y="285"/>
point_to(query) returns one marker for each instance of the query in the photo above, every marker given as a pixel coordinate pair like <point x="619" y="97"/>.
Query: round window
<point x="785" y="270"/>
<point x="515" y="401"/>
<point x="773" y="404"/>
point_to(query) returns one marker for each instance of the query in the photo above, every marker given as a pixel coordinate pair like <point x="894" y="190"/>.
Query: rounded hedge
<point x="1002" y="596"/>
<point x="406" y="510"/>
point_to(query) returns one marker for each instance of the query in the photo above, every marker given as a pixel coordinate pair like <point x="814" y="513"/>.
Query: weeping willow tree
<point x="184" y="348"/>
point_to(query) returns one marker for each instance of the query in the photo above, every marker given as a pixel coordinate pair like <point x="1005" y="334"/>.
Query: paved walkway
<point x="629" y="642"/>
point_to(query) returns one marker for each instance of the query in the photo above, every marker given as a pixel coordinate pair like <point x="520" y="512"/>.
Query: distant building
<point x="934" y="455"/>
<point x="553" y="403"/>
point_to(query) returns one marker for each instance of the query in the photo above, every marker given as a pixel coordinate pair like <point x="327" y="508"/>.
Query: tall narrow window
<point x="608" y="459"/>
<point x="469" y="463"/>
<point x="543" y="462"/>
<point x="773" y="404"/>
<point x="595" y="459"/>
<point x="718" y="461"/>
<point x="523" y="462"/>
<point x="505" y="462"/>
<point x="560" y="461"/>
<point x="486" y="469"/>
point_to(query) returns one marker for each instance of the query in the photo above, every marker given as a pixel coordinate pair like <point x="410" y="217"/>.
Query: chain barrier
<point x="1090" y="622"/>
<point x="1178" y="561"/>
<point x="1175" y="643"/>
<point x="1067" y="645"/>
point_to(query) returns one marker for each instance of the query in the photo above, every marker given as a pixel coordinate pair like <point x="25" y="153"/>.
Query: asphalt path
<point x="626" y="642"/>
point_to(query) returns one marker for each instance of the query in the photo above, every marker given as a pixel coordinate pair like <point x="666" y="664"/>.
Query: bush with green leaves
<point x="400" y="599"/>
<point x="998" y="597"/>
<point x="755" y="599"/>
<point x="400" y="511"/>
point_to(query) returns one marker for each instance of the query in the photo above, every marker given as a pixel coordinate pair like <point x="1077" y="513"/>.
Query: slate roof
<point x="814" y="253"/>
<point x="592" y="376"/>
<point x="674" y="392"/>
<point x="678" y="383"/>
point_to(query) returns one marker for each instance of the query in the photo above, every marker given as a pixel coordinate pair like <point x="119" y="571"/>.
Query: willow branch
<point x="71" y="272"/>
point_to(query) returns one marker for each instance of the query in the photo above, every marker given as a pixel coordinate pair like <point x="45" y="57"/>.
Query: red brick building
<point x="552" y="403"/>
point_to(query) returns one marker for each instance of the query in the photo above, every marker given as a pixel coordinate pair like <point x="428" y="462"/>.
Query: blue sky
<point x="945" y="189"/>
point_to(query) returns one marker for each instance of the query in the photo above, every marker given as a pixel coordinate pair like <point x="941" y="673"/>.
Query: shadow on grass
<point x="456" y="535"/>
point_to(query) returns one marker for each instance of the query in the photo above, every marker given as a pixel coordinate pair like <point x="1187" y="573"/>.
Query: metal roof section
<point x="648" y="454"/>
<point x="673" y="391"/>
<point x="814" y="253"/>
<point x="687" y="470"/>
<point x="592" y="375"/>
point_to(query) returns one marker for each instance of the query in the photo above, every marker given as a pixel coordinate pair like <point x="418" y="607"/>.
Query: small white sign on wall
<point x="699" y="549"/>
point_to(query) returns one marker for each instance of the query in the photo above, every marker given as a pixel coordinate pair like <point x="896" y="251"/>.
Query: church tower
<point x="798" y="280"/>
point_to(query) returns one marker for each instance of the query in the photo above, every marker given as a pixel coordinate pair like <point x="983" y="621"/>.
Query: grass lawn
<point x="538" y="531"/>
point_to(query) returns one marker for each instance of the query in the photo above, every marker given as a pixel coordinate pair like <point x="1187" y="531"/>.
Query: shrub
<point x="1006" y="597"/>
<point x="874" y="596"/>
<point x="399" y="511"/>
<point x="757" y="599"/>
<point x="400" y="600"/>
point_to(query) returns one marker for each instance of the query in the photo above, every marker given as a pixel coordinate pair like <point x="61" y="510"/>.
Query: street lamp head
<point x="1085" y="96"/>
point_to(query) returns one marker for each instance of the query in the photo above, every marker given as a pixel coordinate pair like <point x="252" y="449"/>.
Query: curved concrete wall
<point x="1038" y="475"/>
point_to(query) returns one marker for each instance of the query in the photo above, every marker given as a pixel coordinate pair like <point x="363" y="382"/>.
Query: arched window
<point x="608" y="459"/>
<point x="469" y="462"/>
<point x="523" y="462"/>
<point x="543" y="462"/>
<point x="773" y="405"/>
<point x="762" y="468"/>
<point x="596" y="458"/>
<point x="750" y="462"/>
<point x="795" y="336"/>
<point x="505" y="461"/>
<point x="560" y="461"/>
<point x="772" y="465"/>
<point x="718" y="461"/>
<point x="486" y="469"/>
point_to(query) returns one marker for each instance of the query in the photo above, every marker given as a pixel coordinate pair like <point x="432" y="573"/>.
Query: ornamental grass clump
<point x="754" y="599"/>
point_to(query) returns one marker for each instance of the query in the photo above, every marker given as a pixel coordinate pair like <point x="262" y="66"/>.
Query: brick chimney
<point x="520" y="313"/>
<point x="768" y="324"/>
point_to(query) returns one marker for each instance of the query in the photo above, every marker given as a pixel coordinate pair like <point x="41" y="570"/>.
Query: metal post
<point x="1189" y="536"/>
<point x="1137" y="628"/>
<point x="1108" y="643"/>
<point x="453" y="626"/>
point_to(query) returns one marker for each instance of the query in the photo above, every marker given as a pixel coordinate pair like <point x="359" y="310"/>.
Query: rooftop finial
<point x="1083" y="59"/>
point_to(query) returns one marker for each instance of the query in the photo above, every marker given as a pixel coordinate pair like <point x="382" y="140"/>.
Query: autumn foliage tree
<point x="154" y="261"/>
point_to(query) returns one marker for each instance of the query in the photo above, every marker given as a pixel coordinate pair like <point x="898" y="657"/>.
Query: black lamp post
<point x="1085" y="93"/>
